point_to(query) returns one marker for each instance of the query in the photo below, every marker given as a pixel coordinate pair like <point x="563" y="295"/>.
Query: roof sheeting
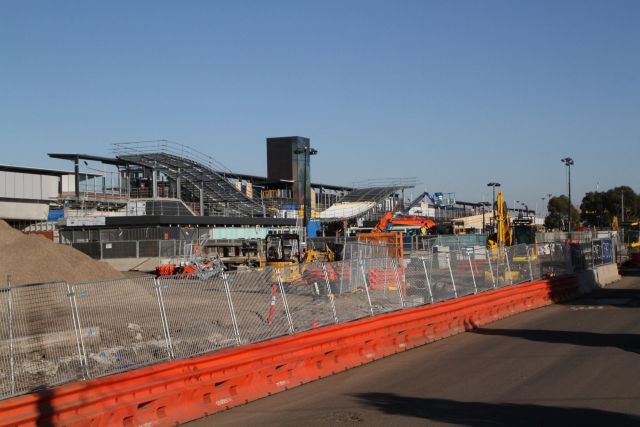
<point x="358" y="202"/>
<point x="371" y="194"/>
<point x="342" y="211"/>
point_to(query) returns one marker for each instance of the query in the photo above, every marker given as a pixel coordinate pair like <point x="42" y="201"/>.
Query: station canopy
<point x="357" y="203"/>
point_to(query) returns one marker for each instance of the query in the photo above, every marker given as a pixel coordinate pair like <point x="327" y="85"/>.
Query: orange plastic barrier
<point x="385" y="278"/>
<point x="183" y="390"/>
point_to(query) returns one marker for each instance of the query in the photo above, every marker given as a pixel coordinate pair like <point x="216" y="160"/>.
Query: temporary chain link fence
<point x="52" y="333"/>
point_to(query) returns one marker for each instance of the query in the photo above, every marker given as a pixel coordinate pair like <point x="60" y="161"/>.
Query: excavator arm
<point x="389" y="220"/>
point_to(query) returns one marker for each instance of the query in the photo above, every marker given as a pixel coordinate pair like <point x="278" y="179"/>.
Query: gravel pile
<point x="33" y="259"/>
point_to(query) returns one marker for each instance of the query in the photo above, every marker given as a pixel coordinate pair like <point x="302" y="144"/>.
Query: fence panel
<point x="461" y="266"/>
<point x="501" y="267"/>
<point x="348" y="287"/>
<point x="440" y="274"/>
<point x="518" y="261"/>
<point x="148" y="248"/>
<point x="39" y="341"/>
<point x="259" y="304"/>
<point x="310" y="300"/>
<point x="534" y="255"/>
<point x="7" y="369"/>
<point x="123" y="324"/>
<point x="53" y="333"/>
<point x="197" y="314"/>
<point x="418" y="288"/>
<point x="386" y="285"/>
<point x="479" y="256"/>
<point x="554" y="259"/>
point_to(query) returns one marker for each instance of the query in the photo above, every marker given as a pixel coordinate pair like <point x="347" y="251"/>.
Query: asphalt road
<point x="572" y="364"/>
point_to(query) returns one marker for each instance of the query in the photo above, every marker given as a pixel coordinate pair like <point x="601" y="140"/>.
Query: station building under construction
<point x="153" y="199"/>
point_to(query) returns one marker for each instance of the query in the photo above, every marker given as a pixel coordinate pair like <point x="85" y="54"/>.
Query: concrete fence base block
<point x="598" y="277"/>
<point x="607" y="274"/>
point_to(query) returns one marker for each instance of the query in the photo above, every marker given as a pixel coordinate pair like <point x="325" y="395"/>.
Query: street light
<point x="307" y="151"/>
<point x="568" y="161"/>
<point x="493" y="212"/>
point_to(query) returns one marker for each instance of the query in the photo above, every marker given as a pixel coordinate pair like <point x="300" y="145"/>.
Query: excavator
<point x="401" y="220"/>
<point x="521" y="231"/>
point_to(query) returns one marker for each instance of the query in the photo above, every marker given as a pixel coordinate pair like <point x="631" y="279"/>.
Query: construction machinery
<point x="502" y="235"/>
<point x="407" y="223"/>
<point x="631" y="235"/>
<point x="283" y="249"/>
<point x="519" y="233"/>
<point x="284" y="252"/>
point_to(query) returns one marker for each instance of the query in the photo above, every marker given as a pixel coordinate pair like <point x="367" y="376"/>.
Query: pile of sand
<point x="33" y="259"/>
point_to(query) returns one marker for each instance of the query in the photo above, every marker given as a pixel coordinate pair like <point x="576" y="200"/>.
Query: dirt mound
<point x="32" y="259"/>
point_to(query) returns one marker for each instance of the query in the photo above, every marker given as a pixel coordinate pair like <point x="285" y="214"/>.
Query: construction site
<point x="160" y="253"/>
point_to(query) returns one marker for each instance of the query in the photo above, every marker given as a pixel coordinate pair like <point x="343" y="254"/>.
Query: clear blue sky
<point x="455" y="93"/>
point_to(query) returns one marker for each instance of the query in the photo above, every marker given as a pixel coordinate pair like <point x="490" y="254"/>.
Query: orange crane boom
<point x="390" y="219"/>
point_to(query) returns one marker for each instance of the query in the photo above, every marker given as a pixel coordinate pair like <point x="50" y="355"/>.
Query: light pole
<point x="568" y="161"/>
<point x="307" y="151"/>
<point x="493" y="211"/>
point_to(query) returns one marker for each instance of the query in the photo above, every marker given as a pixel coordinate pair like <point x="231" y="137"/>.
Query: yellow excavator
<point x="520" y="231"/>
<point x="502" y="236"/>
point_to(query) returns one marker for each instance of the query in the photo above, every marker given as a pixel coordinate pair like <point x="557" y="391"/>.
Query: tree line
<point x="596" y="210"/>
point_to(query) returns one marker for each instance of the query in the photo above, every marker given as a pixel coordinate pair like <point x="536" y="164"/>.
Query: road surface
<point x="576" y="363"/>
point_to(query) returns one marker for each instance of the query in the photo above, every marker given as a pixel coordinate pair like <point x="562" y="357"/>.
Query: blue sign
<point x="55" y="215"/>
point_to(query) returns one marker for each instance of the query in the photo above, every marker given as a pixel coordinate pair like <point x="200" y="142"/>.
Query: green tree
<point x="613" y="201"/>
<point x="599" y="207"/>
<point x="558" y="217"/>
<point x="593" y="210"/>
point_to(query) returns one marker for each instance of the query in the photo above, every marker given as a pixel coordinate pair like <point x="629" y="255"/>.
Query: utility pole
<point x="493" y="211"/>
<point x="568" y="161"/>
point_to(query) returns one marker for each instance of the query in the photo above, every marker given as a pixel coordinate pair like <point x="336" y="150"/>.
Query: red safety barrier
<point x="380" y="278"/>
<point x="183" y="390"/>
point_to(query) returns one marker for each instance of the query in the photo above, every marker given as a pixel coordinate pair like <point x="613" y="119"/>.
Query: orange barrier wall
<point x="183" y="390"/>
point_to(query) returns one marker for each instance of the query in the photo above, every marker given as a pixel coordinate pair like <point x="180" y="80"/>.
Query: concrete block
<point x="607" y="274"/>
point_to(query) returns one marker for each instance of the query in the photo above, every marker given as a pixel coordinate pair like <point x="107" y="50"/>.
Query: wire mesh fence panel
<point x="7" y="381"/>
<point x="440" y="275"/>
<point x="536" y="262"/>
<point x="122" y="324"/>
<point x="504" y="276"/>
<point x="348" y="287"/>
<point x="39" y="338"/>
<point x="310" y="301"/>
<point x="386" y="286"/>
<point x="418" y="288"/>
<point x="168" y="248"/>
<point x="463" y="277"/>
<point x="259" y="304"/>
<point x="481" y="268"/>
<point x="546" y="263"/>
<point x="517" y="257"/>
<point x="197" y="314"/>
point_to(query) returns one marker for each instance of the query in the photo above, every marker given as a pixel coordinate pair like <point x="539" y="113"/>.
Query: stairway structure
<point x="198" y="177"/>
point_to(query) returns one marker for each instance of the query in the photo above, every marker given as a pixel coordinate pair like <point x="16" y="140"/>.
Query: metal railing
<point x="52" y="333"/>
